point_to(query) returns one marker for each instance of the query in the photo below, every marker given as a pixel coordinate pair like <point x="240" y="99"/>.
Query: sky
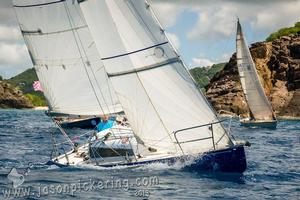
<point x="203" y="31"/>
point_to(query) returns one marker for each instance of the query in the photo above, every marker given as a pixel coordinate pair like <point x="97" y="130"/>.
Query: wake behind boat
<point x="261" y="112"/>
<point x="171" y="120"/>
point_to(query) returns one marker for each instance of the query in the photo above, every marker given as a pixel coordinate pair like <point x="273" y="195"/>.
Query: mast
<point x="65" y="58"/>
<point x="156" y="91"/>
<point x="257" y="101"/>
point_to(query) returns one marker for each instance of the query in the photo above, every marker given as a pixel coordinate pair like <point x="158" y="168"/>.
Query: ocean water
<point x="25" y="145"/>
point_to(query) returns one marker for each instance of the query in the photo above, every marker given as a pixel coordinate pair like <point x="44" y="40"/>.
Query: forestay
<point x="156" y="91"/>
<point x="65" y="57"/>
<point x="253" y="90"/>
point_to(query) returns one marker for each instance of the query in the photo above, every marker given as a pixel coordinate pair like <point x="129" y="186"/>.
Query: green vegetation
<point x="36" y="100"/>
<point x="1" y="78"/>
<point x="24" y="82"/>
<point x="203" y="75"/>
<point x="284" y="32"/>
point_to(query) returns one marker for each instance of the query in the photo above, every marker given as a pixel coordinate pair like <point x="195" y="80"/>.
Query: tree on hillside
<point x="284" y="32"/>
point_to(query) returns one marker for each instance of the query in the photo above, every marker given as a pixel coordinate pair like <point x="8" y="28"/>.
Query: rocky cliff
<point x="11" y="97"/>
<point x="278" y="65"/>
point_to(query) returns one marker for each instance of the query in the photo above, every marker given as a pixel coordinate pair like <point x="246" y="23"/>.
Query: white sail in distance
<point x="257" y="101"/>
<point x="65" y="57"/>
<point x="155" y="89"/>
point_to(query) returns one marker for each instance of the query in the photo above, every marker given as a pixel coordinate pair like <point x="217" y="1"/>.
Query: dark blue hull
<point x="231" y="160"/>
<point x="89" y="123"/>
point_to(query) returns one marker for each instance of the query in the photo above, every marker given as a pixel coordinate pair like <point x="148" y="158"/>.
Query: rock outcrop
<point x="278" y="65"/>
<point x="11" y="97"/>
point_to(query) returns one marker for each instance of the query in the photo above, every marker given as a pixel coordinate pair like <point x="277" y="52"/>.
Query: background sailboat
<point x="261" y="113"/>
<point x="66" y="60"/>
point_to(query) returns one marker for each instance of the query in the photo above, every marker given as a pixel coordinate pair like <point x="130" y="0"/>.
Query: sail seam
<point x="149" y="67"/>
<point x="136" y="51"/>
<point x="41" y="4"/>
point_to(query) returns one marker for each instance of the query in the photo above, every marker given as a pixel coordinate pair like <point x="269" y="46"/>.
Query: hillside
<point x="23" y="82"/>
<point x="284" y="32"/>
<point x="278" y="65"/>
<point x="203" y="75"/>
<point x="10" y="97"/>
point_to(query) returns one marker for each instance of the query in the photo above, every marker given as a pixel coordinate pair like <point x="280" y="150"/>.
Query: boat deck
<point x="80" y="157"/>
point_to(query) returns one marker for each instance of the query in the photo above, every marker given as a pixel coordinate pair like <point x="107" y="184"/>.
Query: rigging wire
<point x="106" y="78"/>
<point x="93" y="73"/>
<point x="79" y="51"/>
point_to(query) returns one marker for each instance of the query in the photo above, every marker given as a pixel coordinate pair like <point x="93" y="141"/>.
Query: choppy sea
<point x="25" y="146"/>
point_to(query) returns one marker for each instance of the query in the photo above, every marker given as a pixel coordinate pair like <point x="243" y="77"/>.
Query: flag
<point x="37" y="86"/>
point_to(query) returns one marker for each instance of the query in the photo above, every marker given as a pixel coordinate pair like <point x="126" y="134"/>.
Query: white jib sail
<point x="252" y="88"/>
<point x="65" y="57"/>
<point x="156" y="91"/>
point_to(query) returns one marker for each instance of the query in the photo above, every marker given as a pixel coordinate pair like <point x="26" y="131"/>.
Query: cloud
<point x="285" y="14"/>
<point x="167" y="12"/>
<point x="7" y="15"/>
<point x="202" y="62"/>
<point x="213" y="23"/>
<point x="13" y="59"/>
<point x="216" y="18"/>
<point x="174" y="39"/>
<point x="12" y="54"/>
<point x="9" y="33"/>
<point x="224" y="57"/>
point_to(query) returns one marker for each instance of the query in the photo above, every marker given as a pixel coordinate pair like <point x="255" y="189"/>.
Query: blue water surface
<point x="25" y="144"/>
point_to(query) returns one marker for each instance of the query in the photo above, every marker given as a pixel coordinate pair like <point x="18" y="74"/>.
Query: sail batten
<point x="136" y="51"/>
<point x="40" y="32"/>
<point x="161" y="64"/>
<point x="65" y="57"/>
<point x="256" y="99"/>
<point x="158" y="101"/>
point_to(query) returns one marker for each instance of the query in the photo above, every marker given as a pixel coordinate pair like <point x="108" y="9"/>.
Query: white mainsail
<point x="65" y="57"/>
<point x="258" y="103"/>
<point x="155" y="89"/>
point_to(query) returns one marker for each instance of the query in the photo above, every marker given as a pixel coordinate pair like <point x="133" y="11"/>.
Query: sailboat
<point x="170" y="119"/>
<point x="261" y="113"/>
